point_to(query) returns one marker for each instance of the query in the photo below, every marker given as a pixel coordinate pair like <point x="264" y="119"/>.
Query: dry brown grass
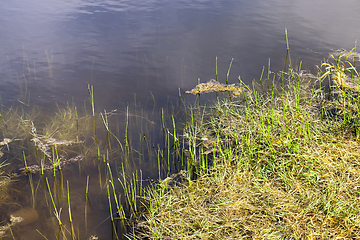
<point x="316" y="196"/>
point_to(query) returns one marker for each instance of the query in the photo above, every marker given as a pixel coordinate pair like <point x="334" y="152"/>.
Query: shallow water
<point x="140" y="53"/>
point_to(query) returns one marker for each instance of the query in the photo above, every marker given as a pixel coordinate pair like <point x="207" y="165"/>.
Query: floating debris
<point x="62" y="162"/>
<point x="15" y="220"/>
<point x="6" y="141"/>
<point x="43" y="144"/>
<point x="33" y="169"/>
<point x="214" y="86"/>
<point x="53" y="141"/>
<point x="4" y="228"/>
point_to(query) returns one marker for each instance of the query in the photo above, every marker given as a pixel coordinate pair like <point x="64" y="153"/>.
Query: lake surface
<point x="140" y="53"/>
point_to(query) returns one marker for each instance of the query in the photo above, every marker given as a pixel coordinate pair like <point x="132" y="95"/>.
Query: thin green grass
<point x="285" y="165"/>
<point x="42" y="146"/>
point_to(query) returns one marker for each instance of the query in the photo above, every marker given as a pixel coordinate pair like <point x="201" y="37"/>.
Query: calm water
<point x="51" y="50"/>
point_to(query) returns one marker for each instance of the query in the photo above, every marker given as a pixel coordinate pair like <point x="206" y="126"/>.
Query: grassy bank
<point x="278" y="163"/>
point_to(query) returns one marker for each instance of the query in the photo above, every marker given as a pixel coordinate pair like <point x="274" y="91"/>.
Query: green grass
<point x="42" y="144"/>
<point x="285" y="164"/>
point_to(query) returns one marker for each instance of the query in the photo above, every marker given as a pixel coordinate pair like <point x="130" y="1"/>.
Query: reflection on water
<point x="134" y="53"/>
<point x="126" y="47"/>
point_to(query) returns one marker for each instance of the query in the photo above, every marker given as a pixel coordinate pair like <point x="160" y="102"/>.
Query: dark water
<point x="127" y="47"/>
<point x="146" y="50"/>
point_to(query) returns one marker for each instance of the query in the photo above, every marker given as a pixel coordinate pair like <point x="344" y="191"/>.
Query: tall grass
<point x="91" y="93"/>
<point x="50" y="144"/>
<point x="279" y="163"/>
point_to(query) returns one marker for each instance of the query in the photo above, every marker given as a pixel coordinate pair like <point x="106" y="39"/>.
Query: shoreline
<point x="285" y="164"/>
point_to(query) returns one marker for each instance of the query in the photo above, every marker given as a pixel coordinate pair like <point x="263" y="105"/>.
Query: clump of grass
<point x="282" y="167"/>
<point x="344" y="87"/>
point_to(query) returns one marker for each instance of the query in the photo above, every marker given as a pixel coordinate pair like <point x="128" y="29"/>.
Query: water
<point x="142" y="52"/>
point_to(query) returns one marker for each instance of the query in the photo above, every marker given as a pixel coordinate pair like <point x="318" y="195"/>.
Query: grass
<point x="39" y="146"/>
<point x="285" y="164"/>
<point x="263" y="162"/>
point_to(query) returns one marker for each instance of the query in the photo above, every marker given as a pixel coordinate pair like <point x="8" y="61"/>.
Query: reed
<point x="228" y="72"/>
<point x="12" y="235"/>
<point x="268" y="75"/>
<point x="26" y="168"/>
<point x="216" y="69"/>
<point x="127" y="145"/>
<point x="69" y="208"/>
<point x="111" y="212"/>
<point x="106" y="124"/>
<point x="57" y="213"/>
<point x="168" y="153"/>
<point x="77" y="121"/>
<point x="87" y="200"/>
<point x="159" y="165"/>
<point x="99" y="165"/>
<point x="91" y="93"/>
<point x="52" y="151"/>
<point x="288" y="58"/>
<point x="30" y="182"/>
<point x="176" y="144"/>
<point x="120" y="212"/>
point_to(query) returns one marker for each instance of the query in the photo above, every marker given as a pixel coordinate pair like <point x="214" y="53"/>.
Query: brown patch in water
<point x="214" y="86"/>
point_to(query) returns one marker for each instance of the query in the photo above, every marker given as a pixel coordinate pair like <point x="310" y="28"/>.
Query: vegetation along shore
<point x="281" y="161"/>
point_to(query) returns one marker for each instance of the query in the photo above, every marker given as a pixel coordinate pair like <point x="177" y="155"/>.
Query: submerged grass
<point x="45" y="148"/>
<point x="285" y="164"/>
<point x="111" y="147"/>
